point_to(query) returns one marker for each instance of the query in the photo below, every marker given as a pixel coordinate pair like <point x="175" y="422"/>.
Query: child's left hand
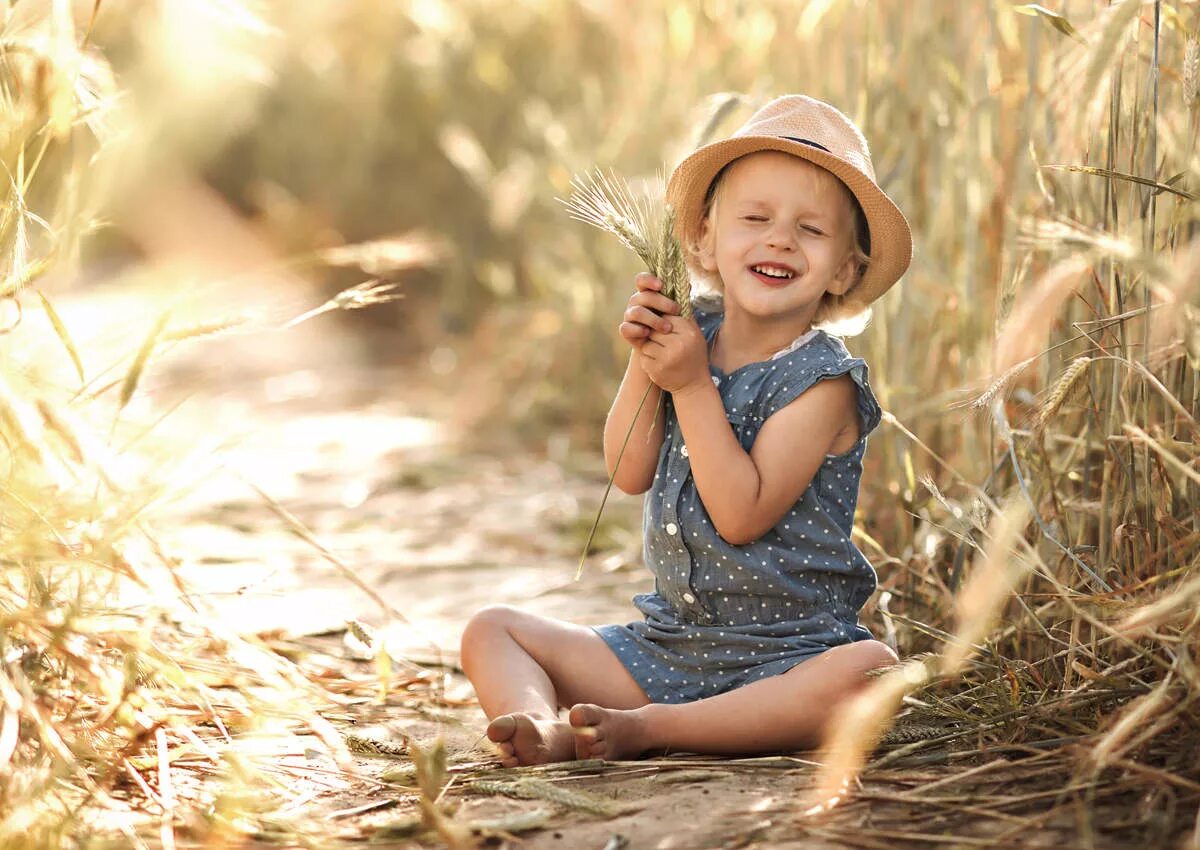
<point x="677" y="360"/>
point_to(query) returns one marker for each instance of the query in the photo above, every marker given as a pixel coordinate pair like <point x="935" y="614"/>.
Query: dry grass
<point x="118" y="717"/>
<point x="1048" y="166"/>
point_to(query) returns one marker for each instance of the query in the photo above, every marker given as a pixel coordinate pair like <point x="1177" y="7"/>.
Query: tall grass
<point x="1038" y="361"/>
<point x="113" y="675"/>
<point x="1088" y="387"/>
<point x="1037" y="468"/>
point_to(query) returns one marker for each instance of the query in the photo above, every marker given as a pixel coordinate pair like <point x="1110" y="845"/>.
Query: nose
<point x="781" y="237"/>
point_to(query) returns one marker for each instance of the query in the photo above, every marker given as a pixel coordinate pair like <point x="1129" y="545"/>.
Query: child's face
<point x="780" y="236"/>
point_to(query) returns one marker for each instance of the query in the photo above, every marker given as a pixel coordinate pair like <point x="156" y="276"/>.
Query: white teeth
<point x="772" y="272"/>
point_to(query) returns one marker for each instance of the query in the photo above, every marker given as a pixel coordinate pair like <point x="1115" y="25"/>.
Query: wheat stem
<point x="612" y="477"/>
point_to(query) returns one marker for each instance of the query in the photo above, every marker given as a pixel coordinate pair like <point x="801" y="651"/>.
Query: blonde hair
<point x="843" y="315"/>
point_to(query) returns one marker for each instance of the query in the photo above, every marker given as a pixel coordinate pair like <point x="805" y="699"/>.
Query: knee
<point x="857" y="659"/>
<point x="486" y="625"/>
<point x="870" y="655"/>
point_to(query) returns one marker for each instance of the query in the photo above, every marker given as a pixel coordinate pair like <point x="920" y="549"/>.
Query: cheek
<point x="832" y="252"/>
<point x="734" y="243"/>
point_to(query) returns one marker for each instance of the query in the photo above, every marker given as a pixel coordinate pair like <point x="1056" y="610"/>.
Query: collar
<point x="796" y="343"/>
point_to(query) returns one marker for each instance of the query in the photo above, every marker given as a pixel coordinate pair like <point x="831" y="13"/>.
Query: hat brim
<point x="891" y="238"/>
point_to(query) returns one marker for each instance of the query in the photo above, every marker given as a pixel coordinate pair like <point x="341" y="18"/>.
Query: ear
<point x="706" y="246"/>
<point x="847" y="275"/>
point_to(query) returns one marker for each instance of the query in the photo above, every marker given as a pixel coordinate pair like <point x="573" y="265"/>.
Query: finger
<point x="634" y="332"/>
<point x="655" y="301"/>
<point x="645" y="280"/>
<point x="647" y="317"/>
<point x="667" y="342"/>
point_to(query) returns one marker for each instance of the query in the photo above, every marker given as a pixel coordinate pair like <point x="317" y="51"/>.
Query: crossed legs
<point x="525" y="667"/>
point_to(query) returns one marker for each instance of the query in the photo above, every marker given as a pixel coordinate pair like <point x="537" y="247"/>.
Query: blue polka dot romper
<point x="721" y="615"/>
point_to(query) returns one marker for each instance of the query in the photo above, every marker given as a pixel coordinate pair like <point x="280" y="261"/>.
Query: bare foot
<point x="525" y="739"/>
<point x="607" y="733"/>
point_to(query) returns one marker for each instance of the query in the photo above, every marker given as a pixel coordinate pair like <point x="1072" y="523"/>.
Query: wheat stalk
<point x="990" y="585"/>
<point x="361" y="633"/>
<point x="1061" y="391"/>
<point x="996" y="387"/>
<point x="864" y="720"/>
<point x="512" y="823"/>
<point x="648" y="229"/>
<point x="366" y="294"/>
<point x="364" y="746"/>
<point x="1191" y="72"/>
<point x="643" y="225"/>
<point x="433" y="780"/>
<point x="529" y="788"/>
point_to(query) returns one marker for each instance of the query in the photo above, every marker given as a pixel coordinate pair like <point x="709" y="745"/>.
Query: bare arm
<point x="648" y="310"/>
<point x="636" y="472"/>
<point x="747" y="494"/>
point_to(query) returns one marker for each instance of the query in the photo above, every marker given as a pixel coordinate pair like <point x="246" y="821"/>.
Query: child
<point x="751" y="638"/>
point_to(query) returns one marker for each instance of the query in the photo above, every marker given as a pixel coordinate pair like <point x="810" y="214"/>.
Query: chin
<point x="771" y="302"/>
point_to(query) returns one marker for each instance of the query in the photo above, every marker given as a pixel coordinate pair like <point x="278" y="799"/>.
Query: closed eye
<point x="814" y="230"/>
<point x="754" y="218"/>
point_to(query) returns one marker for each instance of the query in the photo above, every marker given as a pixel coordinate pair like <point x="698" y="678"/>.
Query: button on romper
<point x="721" y="615"/>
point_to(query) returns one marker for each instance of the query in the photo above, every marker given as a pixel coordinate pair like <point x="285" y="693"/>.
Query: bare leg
<point x="779" y="714"/>
<point x="524" y="667"/>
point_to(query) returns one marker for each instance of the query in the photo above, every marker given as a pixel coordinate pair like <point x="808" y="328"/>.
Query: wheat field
<point x="1031" y="502"/>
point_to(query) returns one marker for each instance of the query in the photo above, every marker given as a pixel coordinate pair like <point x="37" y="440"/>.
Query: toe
<point x="502" y="728"/>
<point x="590" y="733"/>
<point x="584" y="724"/>
<point x="586" y="748"/>
<point x="584" y="715"/>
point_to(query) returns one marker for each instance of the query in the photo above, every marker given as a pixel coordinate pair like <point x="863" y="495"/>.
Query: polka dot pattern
<point x="721" y="615"/>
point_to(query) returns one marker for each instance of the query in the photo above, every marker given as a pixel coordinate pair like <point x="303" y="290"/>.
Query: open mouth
<point x="773" y="274"/>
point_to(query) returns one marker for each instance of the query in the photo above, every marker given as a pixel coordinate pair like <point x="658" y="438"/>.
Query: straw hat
<point x="815" y="131"/>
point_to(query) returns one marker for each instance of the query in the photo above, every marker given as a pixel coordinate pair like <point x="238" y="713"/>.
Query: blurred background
<point x="243" y="146"/>
<point x="201" y="194"/>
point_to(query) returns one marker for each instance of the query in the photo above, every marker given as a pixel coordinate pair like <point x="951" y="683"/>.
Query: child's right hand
<point x="648" y="311"/>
